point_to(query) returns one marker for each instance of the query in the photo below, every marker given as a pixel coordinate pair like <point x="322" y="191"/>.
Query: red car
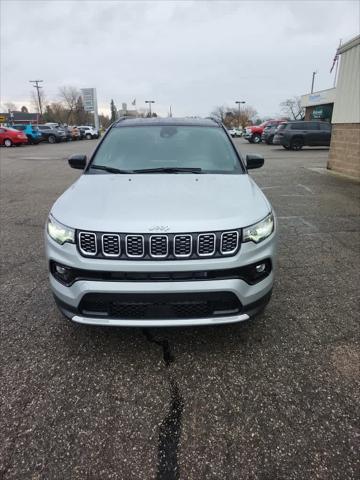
<point x="10" y="137"/>
<point x="254" y="132"/>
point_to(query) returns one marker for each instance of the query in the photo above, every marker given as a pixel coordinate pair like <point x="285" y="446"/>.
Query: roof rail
<point x="215" y="120"/>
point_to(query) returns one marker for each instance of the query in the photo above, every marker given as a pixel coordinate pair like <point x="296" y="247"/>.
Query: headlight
<point x="59" y="232"/>
<point x="259" y="231"/>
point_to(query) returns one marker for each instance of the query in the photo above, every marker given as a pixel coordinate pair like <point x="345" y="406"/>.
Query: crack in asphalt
<point x="170" y="428"/>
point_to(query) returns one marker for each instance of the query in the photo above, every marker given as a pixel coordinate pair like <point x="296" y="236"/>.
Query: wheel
<point x="256" y="139"/>
<point x="88" y="136"/>
<point x="8" y="142"/>
<point x="297" y="144"/>
<point x="51" y="139"/>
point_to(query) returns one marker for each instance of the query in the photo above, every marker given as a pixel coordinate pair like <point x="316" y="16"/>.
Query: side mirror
<point x="254" y="161"/>
<point x="77" y="161"/>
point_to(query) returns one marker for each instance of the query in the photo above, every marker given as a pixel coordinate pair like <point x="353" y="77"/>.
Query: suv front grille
<point x="161" y="246"/>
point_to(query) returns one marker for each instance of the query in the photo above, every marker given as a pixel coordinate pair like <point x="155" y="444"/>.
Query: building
<point x="344" y="156"/>
<point x="124" y="112"/>
<point x="319" y="105"/>
<point x="18" y="118"/>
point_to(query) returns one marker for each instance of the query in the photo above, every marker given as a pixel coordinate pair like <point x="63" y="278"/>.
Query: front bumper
<point x="251" y="297"/>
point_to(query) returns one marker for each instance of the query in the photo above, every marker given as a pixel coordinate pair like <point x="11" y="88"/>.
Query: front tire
<point x="88" y="136"/>
<point x="256" y="139"/>
<point x="52" y="139"/>
<point x="7" y="142"/>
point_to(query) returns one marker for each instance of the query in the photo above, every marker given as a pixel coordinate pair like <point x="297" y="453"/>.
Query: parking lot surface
<point x="274" y="399"/>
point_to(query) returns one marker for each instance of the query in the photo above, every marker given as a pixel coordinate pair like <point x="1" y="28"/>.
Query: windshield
<point x="183" y="148"/>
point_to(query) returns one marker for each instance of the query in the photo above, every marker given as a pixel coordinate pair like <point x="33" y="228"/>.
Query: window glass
<point x="168" y="146"/>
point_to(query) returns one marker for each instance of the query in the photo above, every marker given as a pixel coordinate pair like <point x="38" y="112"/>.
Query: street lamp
<point x="239" y="104"/>
<point x="150" y="102"/>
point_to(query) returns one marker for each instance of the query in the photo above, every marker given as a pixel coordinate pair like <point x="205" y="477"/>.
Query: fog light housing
<point x="62" y="273"/>
<point x="260" y="268"/>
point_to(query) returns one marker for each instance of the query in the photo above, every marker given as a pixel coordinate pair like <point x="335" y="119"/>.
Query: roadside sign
<point x="2" y="118"/>
<point x="89" y="101"/>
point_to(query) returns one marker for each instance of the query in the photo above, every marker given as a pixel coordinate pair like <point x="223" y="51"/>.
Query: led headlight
<point x="259" y="231"/>
<point x="59" y="232"/>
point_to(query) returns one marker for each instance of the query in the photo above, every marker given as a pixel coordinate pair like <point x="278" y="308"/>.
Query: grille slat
<point x="229" y="242"/>
<point x="159" y="246"/>
<point x="111" y="245"/>
<point x="182" y="245"/>
<point x="206" y="244"/>
<point x="87" y="243"/>
<point x="135" y="247"/>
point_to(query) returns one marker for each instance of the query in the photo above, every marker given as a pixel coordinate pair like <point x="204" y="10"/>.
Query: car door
<point x="313" y="134"/>
<point x="325" y="130"/>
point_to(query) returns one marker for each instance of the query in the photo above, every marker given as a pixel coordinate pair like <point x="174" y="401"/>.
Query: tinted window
<point x="312" y="126"/>
<point x="144" y="147"/>
<point x="325" y="126"/>
<point x="282" y="126"/>
<point x="299" y="126"/>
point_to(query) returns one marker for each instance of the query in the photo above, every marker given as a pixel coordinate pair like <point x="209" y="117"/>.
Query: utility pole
<point x="170" y="112"/>
<point x="239" y="105"/>
<point x="37" y="86"/>
<point x="150" y="102"/>
<point x="312" y="82"/>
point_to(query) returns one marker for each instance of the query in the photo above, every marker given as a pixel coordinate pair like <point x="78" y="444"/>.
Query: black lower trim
<point x="251" y="309"/>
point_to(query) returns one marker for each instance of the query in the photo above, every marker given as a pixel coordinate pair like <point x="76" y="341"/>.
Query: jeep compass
<point x="164" y="227"/>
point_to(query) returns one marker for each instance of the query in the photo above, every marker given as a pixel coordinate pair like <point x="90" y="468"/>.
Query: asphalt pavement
<point x="274" y="399"/>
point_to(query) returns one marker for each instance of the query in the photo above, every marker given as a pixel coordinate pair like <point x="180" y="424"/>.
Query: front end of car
<point x="161" y="278"/>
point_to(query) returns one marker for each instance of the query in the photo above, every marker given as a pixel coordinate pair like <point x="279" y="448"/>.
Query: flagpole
<point x="336" y="66"/>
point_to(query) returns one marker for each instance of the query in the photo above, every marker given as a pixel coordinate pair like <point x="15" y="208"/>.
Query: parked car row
<point x="292" y="135"/>
<point x="49" y="132"/>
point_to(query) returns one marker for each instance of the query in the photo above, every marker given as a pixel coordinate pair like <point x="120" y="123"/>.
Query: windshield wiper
<point x="169" y="170"/>
<point x="110" y="169"/>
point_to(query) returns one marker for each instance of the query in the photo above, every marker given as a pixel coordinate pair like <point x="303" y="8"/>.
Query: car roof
<point x="156" y="121"/>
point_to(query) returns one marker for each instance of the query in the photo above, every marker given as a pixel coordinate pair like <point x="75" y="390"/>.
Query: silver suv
<point x="164" y="228"/>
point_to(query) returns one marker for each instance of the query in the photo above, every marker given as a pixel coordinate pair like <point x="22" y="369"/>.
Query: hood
<point x="153" y="203"/>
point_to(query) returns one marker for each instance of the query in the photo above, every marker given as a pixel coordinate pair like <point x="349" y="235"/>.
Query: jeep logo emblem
<point x="159" y="228"/>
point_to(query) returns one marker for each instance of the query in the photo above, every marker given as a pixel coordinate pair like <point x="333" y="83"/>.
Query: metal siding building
<point x="344" y="156"/>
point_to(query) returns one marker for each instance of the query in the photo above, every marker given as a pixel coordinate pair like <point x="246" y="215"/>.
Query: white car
<point x="89" y="132"/>
<point x="235" y="132"/>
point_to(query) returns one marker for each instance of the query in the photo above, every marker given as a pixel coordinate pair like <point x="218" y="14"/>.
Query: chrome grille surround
<point x="111" y="246"/>
<point x="229" y="242"/>
<point x="206" y="244"/>
<point x="135" y="243"/>
<point x="183" y="245"/>
<point x="159" y="246"/>
<point x="88" y="243"/>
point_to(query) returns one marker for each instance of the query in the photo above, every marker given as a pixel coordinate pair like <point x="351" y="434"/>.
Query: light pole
<point x="38" y="92"/>
<point x="150" y="102"/>
<point x="239" y="104"/>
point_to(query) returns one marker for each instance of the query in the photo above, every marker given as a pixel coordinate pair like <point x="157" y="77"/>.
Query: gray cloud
<point x="191" y="55"/>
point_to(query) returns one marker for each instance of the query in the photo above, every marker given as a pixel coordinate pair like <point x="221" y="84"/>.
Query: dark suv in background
<point x="297" y="134"/>
<point x="52" y="134"/>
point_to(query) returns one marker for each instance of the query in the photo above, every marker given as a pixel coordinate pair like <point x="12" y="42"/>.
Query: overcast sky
<point x="192" y="55"/>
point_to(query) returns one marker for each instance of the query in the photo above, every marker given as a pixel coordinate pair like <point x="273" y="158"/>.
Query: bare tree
<point x="219" y="113"/>
<point x="292" y="108"/>
<point x="69" y="96"/>
<point x="230" y="116"/>
<point x="10" y="106"/>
